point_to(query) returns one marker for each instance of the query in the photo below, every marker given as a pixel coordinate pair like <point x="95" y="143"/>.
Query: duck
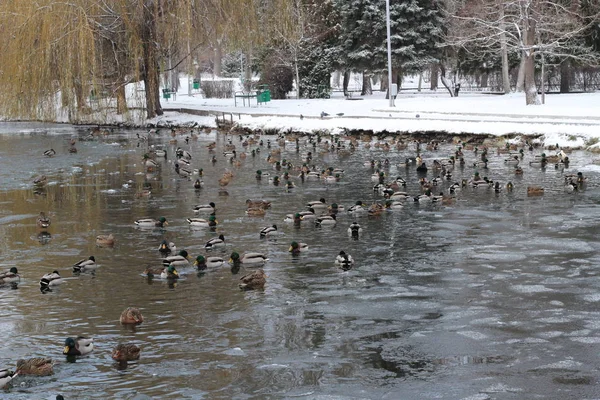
<point x="203" y="263"/>
<point x="394" y="205"/>
<point x="152" y="272"/>
<point x="357" y="208"/>
<point x="308" y="215"/>
<point x="354" y="230"/>
<point x="50" y="153"/>
<point x="535" y="190"/>
<point x="256" y="212"/>
<point x="43" y="221"/>
<point x="10" y="276"/>
<point x="38" y="366"/>
<point x="6" y="376"/>
<point x="51" y="279"/>
<point x="514" y="161"/>
<point x="295" y="218"/>
<point x="105" y="240"/>
<point x="296" y="247"/>
<point x="319" y="205"/>
<point x="131" y="315"/>
<point x="248" y="258"/>
<point x="40" y="180"/>
<point x="167" y="247"/>
<point x="126" y="352"/>
<point x="423" y="198"/>
<point x="198" y="184"/>
<point x="203" y="223"/>
<point x="86" y="264"/>
<point x="344" y="261"/>
<point x="258" y="203"/>
<point x="215" y="242"/>
<point x="326" y="220"/>
<point x="205" y="208"/>
<point x="169" y="273"/>
<point x="335" y="208"/>
<point x="78" y="346"/>
<point x="183" y="171"/>
<point x="180" y="260"/>
<point x="254" y="280"/>
<point x="268" y="230"/>
<point x="151" y="222"/>
<point x="509" y="187"/>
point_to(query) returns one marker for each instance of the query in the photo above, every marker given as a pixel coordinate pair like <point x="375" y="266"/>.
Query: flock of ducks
<point x="435" y="176"/>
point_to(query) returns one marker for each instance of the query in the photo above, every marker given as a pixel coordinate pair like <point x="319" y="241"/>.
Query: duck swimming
<point x="10" y="276"/>
<point x="43" y="221"/>
<point x="126" y="352"/>
<point x="105" y="240"/>
<point x="215" y="242"/>
<point x="248" y="258"/>
<point x="150" y="222"/>
<point x="131" y="315"/>
<point x="344" y="261"/>
<point x="203" y="263"/>
<point x="167" y="247"/>
<point x="255" y="280"/>
<point x="180" y="260"/>
<point x="35" y="366"/>
<point x="87" y="264"/>
<point x="297" y="248"/>
<point x="268" y="230"/>
<point x="78" y="346"/>
<point x="51" y="279"/>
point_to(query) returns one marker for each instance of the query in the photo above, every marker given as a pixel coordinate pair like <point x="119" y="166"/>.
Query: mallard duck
<point x="357" y="208"/>
<point x="296" y="248"/>
<point x="198" y="184"/>
<point x="215" y="242"/>
<point x="344" y="261"/>
<point x="335" y="208"/>
<point x="268" y="230"/>
<point x="6" y="376"/>
<point x="326" y="220"/>
<point x="151" y="222"/>
<point x="258" y="204"/>
<point x="355" y="230"/>
<point x="105" y="240"/>
<point x="423" y="198"/>
<point x="87" y="264"/>
<point x="50" y="153"/>
<point x="131" y="315"/>
<point x="126" y="352"/>
<point x="541" y="161"/>
<point x="320" y="205"/>
<point x="40" y="180"/>
<point x="394" y="205"/>
<point x="514" y="161"/>
<point x="255" y="280"/>
<point x="12" y="275"/>
<point x="509" y="187"/>
<point x="535" y="190"/>
<point x="295" y="218"/>
<point x="51" y="279"/>
<point x="43" y="221"/>
<point x="167" y="247"/>
<point x="180" y="153"/>
<point x="203" y="223"/>
<point x="205" y="208"/>
<point x="35" y="366"/>
<point x="203" y="263"/>
<point x="152" y="272"/>
<point x="169" y="273"/>
<point x="183" y="171"/>
<point x="180" y="260"/>
<point x="248" y="258"/>
<point x="78" y="346"/>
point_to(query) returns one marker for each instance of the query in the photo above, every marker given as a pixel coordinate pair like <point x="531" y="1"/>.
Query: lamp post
<point x="389" y="52"/>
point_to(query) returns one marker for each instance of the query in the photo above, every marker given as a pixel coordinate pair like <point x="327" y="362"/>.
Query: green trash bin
<point x="267" y="95"/>
<point x="166" y="94"/>
<point x="196" y="84"/>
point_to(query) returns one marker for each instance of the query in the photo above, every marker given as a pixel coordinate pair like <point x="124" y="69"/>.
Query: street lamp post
<point x="389" y="52"/>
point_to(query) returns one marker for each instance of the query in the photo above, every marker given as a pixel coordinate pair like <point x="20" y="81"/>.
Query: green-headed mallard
<point x="205" y="208"/>
<point x="296" y="248"/>
<point x="203" y="223"/>
<point x="169" y="273"/>
<point x="105" y="240"/>
<point x="255" y="280"/>
<point x="203" y="263"/>
<point x="51" y="279"/>
<point x="295" y="218"/>
<point x="6" y="376"/>
<point x="180" y="260"/>
<point x="151" y="222"/>
<point x="268" y="230"/>
<point x="126" y="352"/>
<point x="326" y="220"/>
<point x="87" y="264"/>
<point x="131" y="315"/>
<point x="248" y="258"/>
<point x="167" y="247"/>
<point x="43" y="222"/>
<point x="215" y="242"/>
<point x="198" y="184"/>
<point x="10" y="276"/>
<point x="78" y="346"/>
<point x="318" y="205"/>
<point x="35" y="366"/>
<point x="357" y="208"/>
<point x="344" y="261"/>
<point x="355" y="229"/>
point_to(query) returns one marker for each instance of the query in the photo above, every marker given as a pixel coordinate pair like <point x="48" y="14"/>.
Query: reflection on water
<point x="493" y="295"/>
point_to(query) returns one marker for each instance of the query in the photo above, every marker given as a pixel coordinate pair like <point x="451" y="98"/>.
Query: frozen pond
<point x="494" y="296"/>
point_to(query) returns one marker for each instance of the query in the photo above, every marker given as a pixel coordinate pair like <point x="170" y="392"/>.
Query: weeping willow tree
<point x="55" y="53"/>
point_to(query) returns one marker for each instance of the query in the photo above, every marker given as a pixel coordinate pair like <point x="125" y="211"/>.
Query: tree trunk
<point x="297" y="71"/>
<point x="484" y="80"/>
<point x="150" y="62"/>
<point x="521" y="74"/>
<point x="248" y="71"/>
<point x="337" y="75"/>
<point x="367" y="89"/>
<point x="346" y="82"/>
<point x="433" y="82"/>
<point x="121" y="99"/>
<point x="444" y="80"/>
<point x="217" y="59"/>
<point x="504" y="53"/>
<point x="531" y="96"/>
<point x="565" y="76"/>
<point x="383" y="86"/>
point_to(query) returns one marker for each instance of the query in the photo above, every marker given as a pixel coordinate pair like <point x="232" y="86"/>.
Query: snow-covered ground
<point x="568" y="119"/>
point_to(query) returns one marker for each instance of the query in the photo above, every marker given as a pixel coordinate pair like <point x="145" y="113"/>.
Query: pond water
<point x="493" y="296"/>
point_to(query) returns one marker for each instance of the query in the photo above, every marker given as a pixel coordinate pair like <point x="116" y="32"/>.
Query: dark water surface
<point x="494" y="296"/>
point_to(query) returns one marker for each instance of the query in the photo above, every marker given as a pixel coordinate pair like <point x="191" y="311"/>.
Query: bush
<point x="280" y="80"/>
<point x="217" y="89"/>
